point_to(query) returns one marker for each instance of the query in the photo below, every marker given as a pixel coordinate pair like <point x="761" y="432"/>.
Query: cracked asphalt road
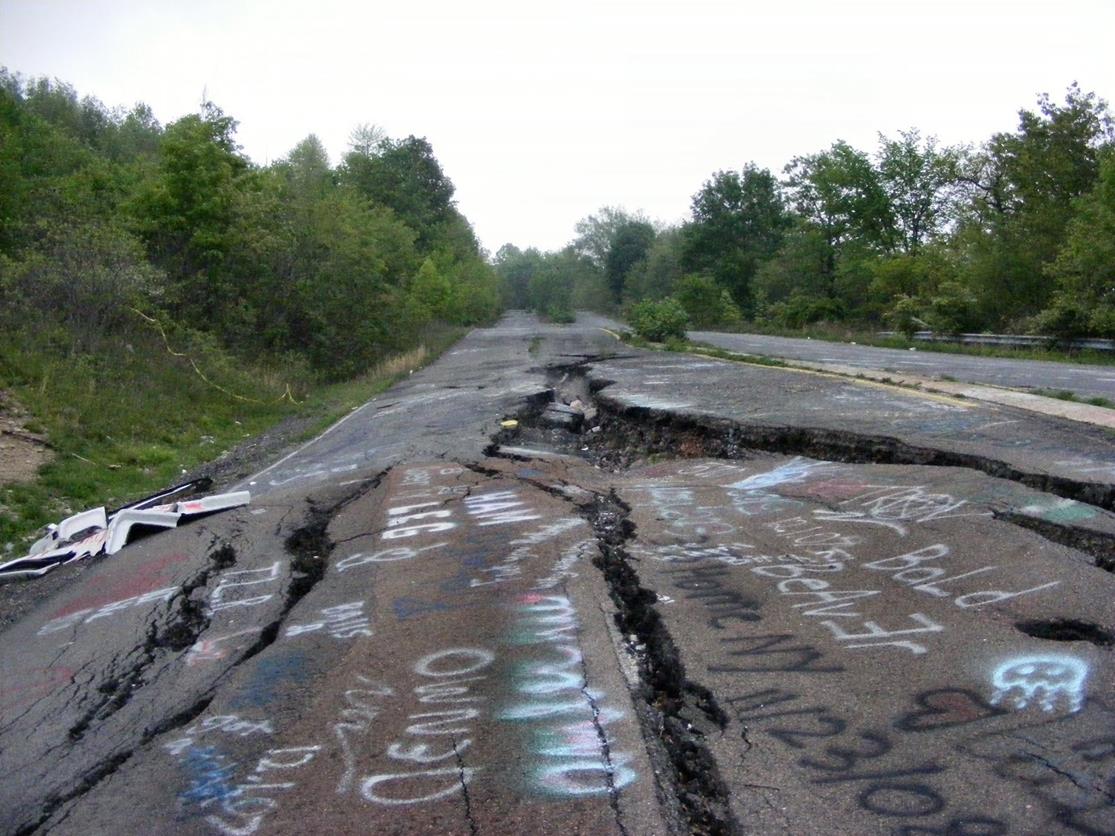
<point x="1083" y="380"/>
<point x="740" y="599"/>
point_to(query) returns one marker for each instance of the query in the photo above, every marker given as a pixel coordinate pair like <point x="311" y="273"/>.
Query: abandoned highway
<point x="1082" y="380"/>
<point x="704" y="597"/>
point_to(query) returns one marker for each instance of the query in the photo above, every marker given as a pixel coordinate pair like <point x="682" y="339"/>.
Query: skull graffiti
<point x="1049" y="681"/>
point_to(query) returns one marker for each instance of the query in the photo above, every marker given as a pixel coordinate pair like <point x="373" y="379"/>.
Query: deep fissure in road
<point x="681" y="713"/>
<point x="623" y="434"/>
<point x="309" y="547"/>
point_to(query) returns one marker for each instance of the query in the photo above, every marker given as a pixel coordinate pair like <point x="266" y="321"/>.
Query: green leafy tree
<point x="86" y="277"/>
<point x="1022" y="188"/>
<point x="596" y="233"/>
<point x="657" y="274"/>
<point x="1084" y="270"/>
<point x="405" y="176"/>
<point x="186" y="214"/>
<point x="515" y="268"/>
<point x="919" y="181"/>
<point x="46" y="170"/>
<point x="630" y="244"/>
<point x="433" y="291"/>
<point x="839" y="193"/>
<point x="738" y="222"/>
<point x="798" y="267"/>
<point x="551" y="287"/>
<point x="307" y="170"/>
<point x="707" y="304"/>
<point x="901" y="285"/>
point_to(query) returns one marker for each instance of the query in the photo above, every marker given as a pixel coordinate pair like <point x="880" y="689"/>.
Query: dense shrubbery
<point x="105" y="213"/>
<point x="162" y="297"/>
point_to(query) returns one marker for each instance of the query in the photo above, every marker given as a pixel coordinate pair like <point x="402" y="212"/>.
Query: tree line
<point x="109" y="221"/>
<point x="1016" y="234"/>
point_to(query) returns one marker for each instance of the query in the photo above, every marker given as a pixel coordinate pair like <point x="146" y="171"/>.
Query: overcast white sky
<point x="543" y="112"/>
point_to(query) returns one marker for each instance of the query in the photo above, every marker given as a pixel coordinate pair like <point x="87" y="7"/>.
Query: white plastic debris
<point x="68" y="529"/>
<point x="212" y="504"/>
<point x="94" y="531"/>
<point x="72" y="526"/>
<point x="120" y="528"/>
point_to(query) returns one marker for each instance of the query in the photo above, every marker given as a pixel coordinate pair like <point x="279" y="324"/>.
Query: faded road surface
<point x="728" y="598"/>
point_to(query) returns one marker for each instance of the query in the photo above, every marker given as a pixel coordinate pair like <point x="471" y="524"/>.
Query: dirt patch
<point x="22" y="452"/>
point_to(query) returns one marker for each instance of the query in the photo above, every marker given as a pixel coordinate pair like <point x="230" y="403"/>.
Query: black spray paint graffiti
<point x="887" y="779"/>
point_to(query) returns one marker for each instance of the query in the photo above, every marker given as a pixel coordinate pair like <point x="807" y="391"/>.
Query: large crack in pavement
<point x="651" y="430"/>
<point x="680" y="713"/>
<point x="682" y="722"/>
<point x="309" y="548"/>
<point x="188" y="621"/>
<point x="677" y="714"/>
<point x="625" y="433"/>
<point x="683" y="712"/>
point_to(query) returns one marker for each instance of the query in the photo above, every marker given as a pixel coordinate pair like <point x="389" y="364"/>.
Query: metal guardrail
<point x="1009" y="340"/>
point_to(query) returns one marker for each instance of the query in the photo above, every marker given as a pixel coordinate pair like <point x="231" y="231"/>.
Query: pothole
<point x="1067" y="630"/>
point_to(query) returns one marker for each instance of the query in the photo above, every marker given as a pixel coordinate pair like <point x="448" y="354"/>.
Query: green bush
<point x="801" y="310"/>
<point x="659" y="321"/>
<point x="706" y="302"/>
<point x="952" y="309"/>
<point x="903" y="316"/>
<point x="1065" y="319"/>
<point x="560" y="315"/>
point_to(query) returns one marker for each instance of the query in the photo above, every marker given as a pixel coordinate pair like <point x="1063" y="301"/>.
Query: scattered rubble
<point x="92" y="532"/>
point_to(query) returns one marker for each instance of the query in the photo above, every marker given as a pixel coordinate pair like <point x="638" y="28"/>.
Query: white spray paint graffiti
<point x="92" y="614"/>
<point x="677" y="507"/>
<point x="227" y="594"/>
<point x="1050" y="681"/>
<point x="450" y="669"/>
<point x="355" y="720"/>
<point x="384" y="556"/>
<point x="890" y="506"/>
<point x="344" y="621"/>
<point x="403" y="522"/>
<point x="499" y="508"/>
<point x="577" y="756"/>
<point x="236" y="800"/>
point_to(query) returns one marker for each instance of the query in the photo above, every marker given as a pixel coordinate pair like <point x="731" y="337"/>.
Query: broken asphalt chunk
<point x="562" y="417"/>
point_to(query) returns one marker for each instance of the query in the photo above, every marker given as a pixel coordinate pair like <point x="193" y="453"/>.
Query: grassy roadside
<point x="130" y="418"/>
